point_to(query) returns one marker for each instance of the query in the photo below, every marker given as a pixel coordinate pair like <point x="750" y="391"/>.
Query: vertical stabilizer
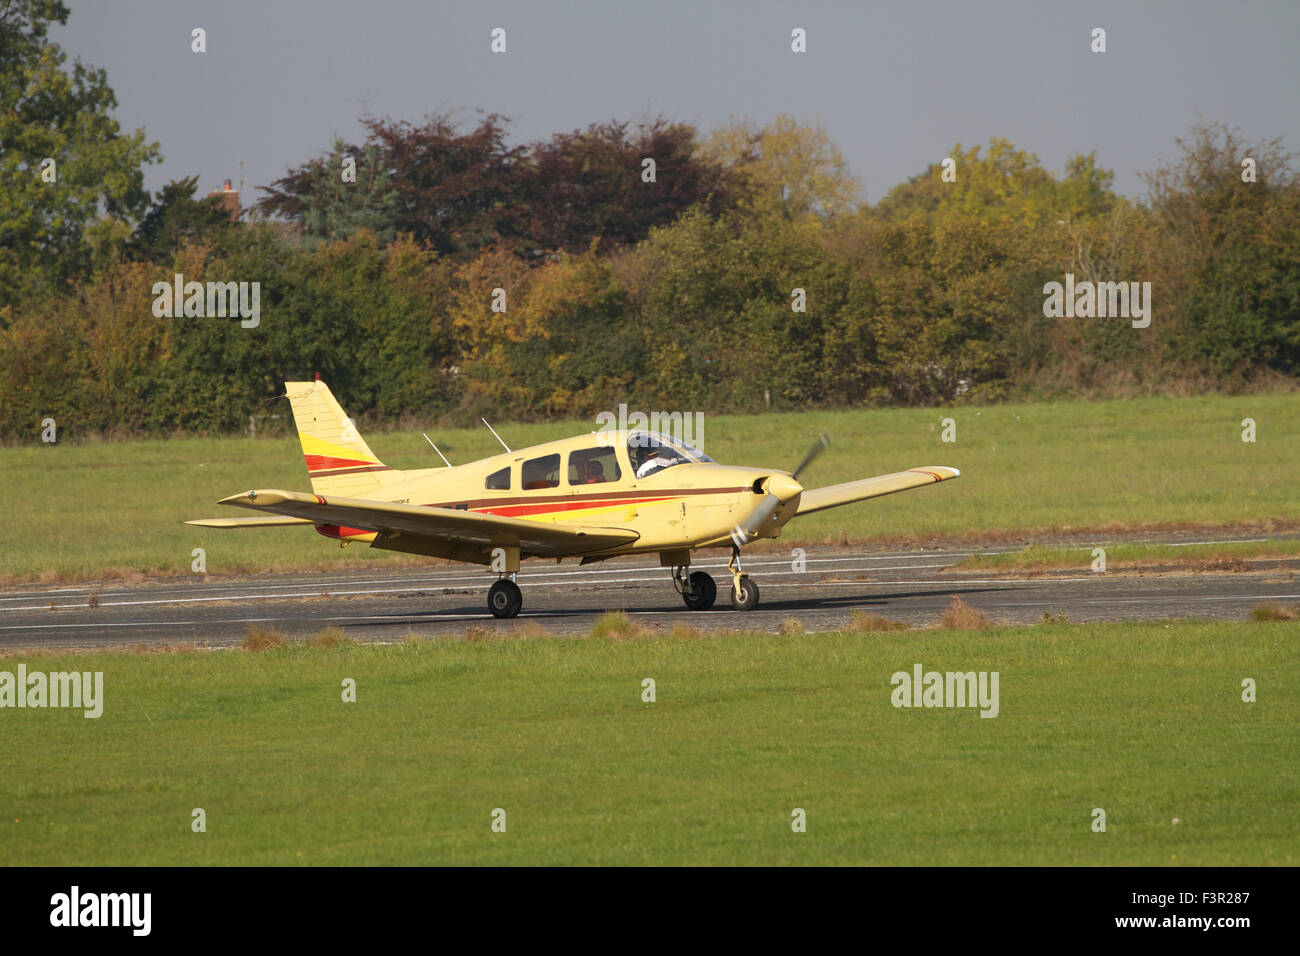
<point x="338" y="459"/>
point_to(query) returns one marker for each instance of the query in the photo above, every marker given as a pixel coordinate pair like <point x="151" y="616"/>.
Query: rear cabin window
<point x="593" y="466"/>
<point x="541" y="472"/>
<point x="498" y="480"/>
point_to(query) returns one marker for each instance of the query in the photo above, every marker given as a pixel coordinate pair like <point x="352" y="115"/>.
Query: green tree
<point x="734" y="311"/>
<point x="55" y="227"/>
<point x="1226" y="257"/>
<point x="784" y="167"/>
<point x="1002" y="184"/>
<point x="455" y="190"/>
<point x="338" y="195"/>
<point x="176" y="219"/>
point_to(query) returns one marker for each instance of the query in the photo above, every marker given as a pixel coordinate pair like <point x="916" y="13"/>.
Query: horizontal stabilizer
<point x="269" y="521"/>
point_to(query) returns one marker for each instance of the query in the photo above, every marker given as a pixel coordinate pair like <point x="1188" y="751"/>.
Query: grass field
<point x="1145" y="721"/>
<point x="101" y="510"/>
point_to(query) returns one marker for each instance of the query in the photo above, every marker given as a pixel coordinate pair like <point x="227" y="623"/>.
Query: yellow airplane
<point x="593" y="497"/>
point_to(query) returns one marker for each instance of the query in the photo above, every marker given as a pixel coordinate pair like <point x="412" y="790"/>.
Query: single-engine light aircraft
<point x="593" y="496"/>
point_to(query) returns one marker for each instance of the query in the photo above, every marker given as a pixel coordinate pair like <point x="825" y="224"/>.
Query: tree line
<point x="435" y="272"/>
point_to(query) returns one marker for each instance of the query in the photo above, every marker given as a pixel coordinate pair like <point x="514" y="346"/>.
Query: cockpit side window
<point x="593" y="466"/>
<point x="498" y="480"/>
<point x="541" y="472"/>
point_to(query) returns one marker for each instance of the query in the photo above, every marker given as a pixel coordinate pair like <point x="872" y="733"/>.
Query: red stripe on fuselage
<point x="515" y="511"/>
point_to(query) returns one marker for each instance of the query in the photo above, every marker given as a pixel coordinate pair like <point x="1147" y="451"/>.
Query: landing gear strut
<point x="744" y="592"/>
<point x="698" y="591"/>
<point x="504" y="598"/>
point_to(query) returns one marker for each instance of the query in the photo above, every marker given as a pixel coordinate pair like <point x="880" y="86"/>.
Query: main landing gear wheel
<point x="744" y="594"/>
<point x="703" y="592"/>
<point x="505" y="599"/>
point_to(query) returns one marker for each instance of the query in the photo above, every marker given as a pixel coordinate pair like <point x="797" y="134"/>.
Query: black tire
<point x="703" y="592"/>
<point x="505" y="599"/>
<point x="747" y="598"/>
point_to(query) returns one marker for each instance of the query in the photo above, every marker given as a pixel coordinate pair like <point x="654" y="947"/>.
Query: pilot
<point x="593" y="473"/>
<point x="652" y="459"/>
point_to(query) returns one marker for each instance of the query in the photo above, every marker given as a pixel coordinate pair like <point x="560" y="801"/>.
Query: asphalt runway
<point x="914" y="587"/>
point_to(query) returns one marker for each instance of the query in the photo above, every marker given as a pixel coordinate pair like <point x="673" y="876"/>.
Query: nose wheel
<point x="744" y="592"/>
<point x="505" y="599"/>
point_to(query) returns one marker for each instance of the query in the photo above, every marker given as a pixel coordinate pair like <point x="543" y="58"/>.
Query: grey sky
<point x="896" y="84"/>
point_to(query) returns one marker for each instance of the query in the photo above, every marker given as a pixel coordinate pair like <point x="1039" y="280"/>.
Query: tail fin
<point x="338" y="459"/>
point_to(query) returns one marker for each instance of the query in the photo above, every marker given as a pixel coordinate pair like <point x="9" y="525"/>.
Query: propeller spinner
<point x="777" y="490"/>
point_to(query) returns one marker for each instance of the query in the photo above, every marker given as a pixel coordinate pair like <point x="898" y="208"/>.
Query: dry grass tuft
<point x="165" y="648"/>
<point x="861" y="621"/>
<point x="616" y="626"/>
<point x="1236" y="565"/>
<point x="962" y="617"/>
<point x="530" y="629"/>
<point x="688" y="631"/>
<point x="1273" y="611"/>
<point x="330" y="637"/>
<point x="263" y="639"/>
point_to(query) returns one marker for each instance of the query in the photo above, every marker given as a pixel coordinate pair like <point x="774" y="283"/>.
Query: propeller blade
<point x="778" y="489"/>
<point x="747" y="530"/>
<point x="823" y="442"/>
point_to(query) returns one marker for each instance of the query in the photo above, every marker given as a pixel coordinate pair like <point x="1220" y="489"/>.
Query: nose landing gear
<point x="744" y="592"/>
<point x="699" y="590"/>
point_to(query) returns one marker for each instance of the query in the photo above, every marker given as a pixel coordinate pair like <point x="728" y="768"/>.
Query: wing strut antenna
<point x="494" y="434"/>
<point x="435" y="448"/>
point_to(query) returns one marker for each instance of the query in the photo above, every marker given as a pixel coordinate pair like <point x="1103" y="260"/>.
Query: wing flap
<point x="832" y="496"/>
<point x="442" y="526"/>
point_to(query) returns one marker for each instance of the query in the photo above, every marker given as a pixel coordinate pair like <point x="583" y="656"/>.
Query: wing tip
<point x="938" y="472"/>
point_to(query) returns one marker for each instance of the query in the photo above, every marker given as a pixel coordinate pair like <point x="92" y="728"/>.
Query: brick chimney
<point x="229" y="199"/>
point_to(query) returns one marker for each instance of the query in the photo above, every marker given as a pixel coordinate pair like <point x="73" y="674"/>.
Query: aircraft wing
<point x="818" y="499"/>
<point x="442" y="532"/>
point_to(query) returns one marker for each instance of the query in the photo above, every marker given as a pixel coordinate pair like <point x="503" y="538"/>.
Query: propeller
<point x="823" y="442"/>
<point x="777" y="490"/>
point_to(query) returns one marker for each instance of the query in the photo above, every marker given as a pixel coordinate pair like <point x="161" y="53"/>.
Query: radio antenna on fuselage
<point x="435" y="448"/>
<point x="494" y="434"/>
